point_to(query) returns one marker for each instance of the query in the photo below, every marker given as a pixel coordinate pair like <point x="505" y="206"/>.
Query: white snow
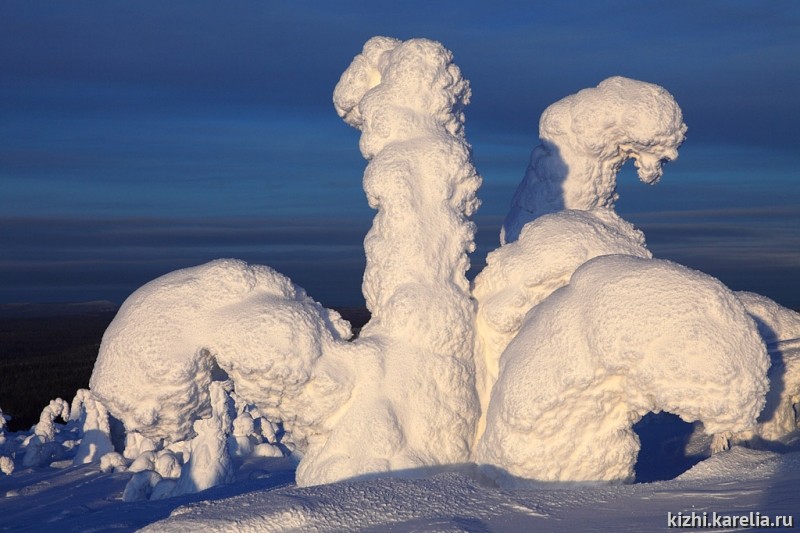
<point x="79" y="498"/>
<point x="178" y="333"/>
<point x="780" y="418"/>
<point x="247" y="406"/>
<point x="92" y="416"/>
<point x="210" y="462"/>
<point x="414" y="401"/>
<point x="626" y="337"/>
<point x="586" y="138"/>
<point x="521" y="274"/>
<point x="6" y="463"/>
<point x="42" y="448"/>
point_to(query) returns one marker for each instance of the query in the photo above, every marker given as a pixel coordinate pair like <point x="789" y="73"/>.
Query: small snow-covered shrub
<point x="43" y="448"/>
<point x="95" y="430"/>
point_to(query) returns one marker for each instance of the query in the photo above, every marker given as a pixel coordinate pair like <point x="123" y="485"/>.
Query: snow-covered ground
<point x="62" y="497"/>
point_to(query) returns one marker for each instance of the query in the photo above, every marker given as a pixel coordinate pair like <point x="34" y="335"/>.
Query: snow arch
<point x="178" y="333"/>
<point x="626" y="337"/>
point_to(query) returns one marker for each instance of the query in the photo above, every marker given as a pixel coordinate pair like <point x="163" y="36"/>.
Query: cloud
<point x="748" y="248"/>
<point x="79" y="259"/>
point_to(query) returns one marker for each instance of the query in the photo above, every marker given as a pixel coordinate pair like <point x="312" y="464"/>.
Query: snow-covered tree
<point x="571" y="333"/>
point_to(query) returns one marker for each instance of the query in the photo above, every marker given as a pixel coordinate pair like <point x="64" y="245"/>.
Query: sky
<point x="141" y="137"/>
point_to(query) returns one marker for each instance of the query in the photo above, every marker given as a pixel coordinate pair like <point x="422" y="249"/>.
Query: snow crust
<point x="586" y="138"/>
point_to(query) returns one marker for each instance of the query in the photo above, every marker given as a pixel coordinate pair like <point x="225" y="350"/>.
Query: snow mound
<point x="175" y="335"/>
<point x="586" y="138"/>
<point x="733" y="464"/>
<point x="626" y="337"/>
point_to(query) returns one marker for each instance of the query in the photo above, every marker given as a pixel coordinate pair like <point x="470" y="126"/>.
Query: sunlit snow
<point x="505" y="401"/>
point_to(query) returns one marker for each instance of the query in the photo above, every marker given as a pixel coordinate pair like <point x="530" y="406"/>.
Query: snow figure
<point x="414" y="402"/>
<point x="167" y="464"/>
<point x="113" y="462"/>
<point x="780" y="329"/>
<point x="563" y="348"/>
<point x="403" y="395"/>
<point x="586" y="138"/>
<point x="145" y="461"/>
<point x="626" y="337"/>
<point x="243" y="439"/>
<point x="178" y="333"/>
<point x="96" y="434"/>
<point x="210" y="463"/>
<point x="521" y="274"/>
<point x="136" y="444"/>
<point x="3" y="422"/>
<point x="42" y="448"/>
<point x="140" y="487"/>
<point x="570" y="187"/>
<point x="6" y="463"/>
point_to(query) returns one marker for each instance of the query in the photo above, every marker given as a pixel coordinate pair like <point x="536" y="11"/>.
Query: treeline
<point x="46" y="358"/>
<point x="50" y="357"/>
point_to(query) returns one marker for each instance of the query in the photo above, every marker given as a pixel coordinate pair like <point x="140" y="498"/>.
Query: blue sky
<point x="141" y="137"/>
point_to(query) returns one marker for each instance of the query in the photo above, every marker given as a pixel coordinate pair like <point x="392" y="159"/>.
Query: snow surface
<point x="224" y="398"/>
<point x="79" y="498"/>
